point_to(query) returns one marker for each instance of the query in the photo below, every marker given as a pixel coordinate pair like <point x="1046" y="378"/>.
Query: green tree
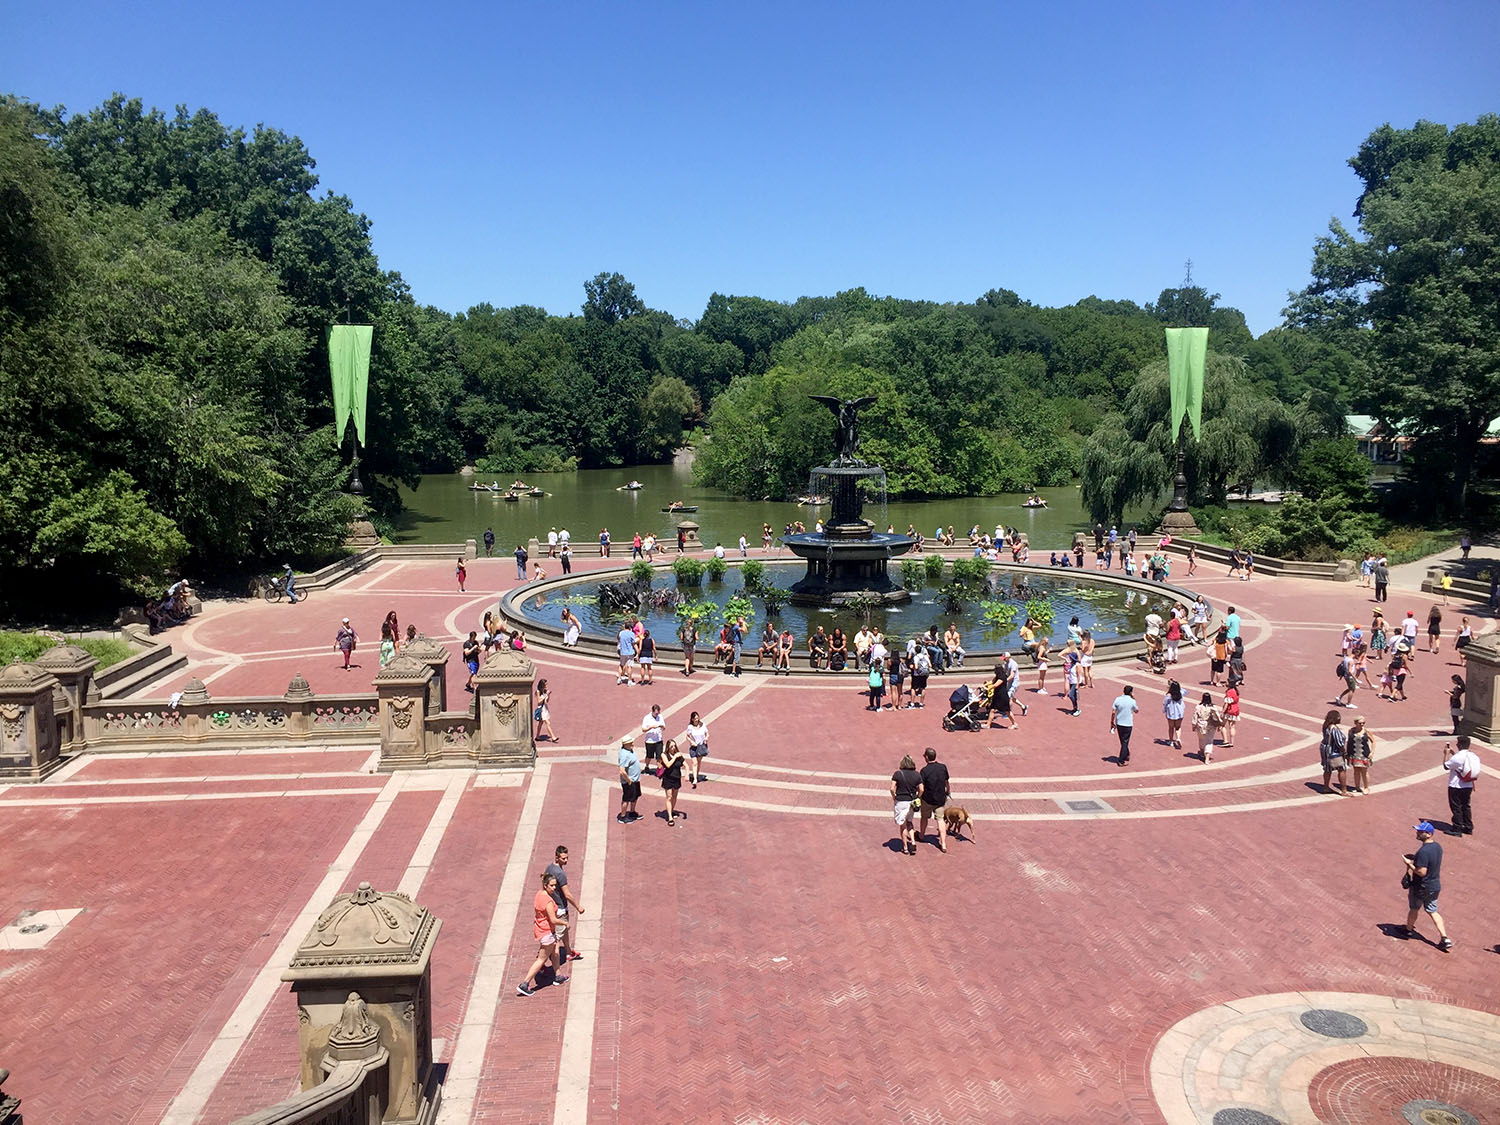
<point x="668" y="402"/>
<point x="1416" y="294"/>
<point x="609" y="299"/>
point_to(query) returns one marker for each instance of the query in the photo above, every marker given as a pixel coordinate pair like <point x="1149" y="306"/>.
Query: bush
<point x="699" y="611"/>
<point x="999" y="616"/>
<point x="689" y="571"/>
<point x="953" y="596"/>
<point x="739" y="606"/>
<point x="933" y="564"/>
<point x="26" y="647"/>
<point x="773" y="598"/>
<point x="912" y="576"/>
<point x="973" y="574"/>
<point x="640" y="571"/>
<point x="753" y="575"/>
<point x="1040" y="610"/>
<point x="715" y="568"/>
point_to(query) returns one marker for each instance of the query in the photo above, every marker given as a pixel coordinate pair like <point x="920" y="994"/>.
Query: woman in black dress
<point x="671" y="779"/>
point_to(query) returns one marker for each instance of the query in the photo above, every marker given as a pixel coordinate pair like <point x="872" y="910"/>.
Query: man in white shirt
<point x="1463" y="771"/>
<point x="1409" y="631"/>
<point x="862" y="642"/>
<point x="563" y="537"/>
<point x="718" y="550"/>
<point x="654" y="727"/>
<point x="552" y="543"/>
<point x="744" y="547"/>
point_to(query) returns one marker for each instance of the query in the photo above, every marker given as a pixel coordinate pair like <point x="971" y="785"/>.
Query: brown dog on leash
<point x="955" y="819"/>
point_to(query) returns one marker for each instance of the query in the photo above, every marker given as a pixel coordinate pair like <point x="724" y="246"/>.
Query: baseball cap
<point x="346" y="621"/>
<point x="1424" y="826"/>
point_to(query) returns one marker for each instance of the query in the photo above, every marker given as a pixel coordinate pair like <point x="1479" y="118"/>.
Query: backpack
<point x="922" y="664"/>
<point x="1342" y="671"/>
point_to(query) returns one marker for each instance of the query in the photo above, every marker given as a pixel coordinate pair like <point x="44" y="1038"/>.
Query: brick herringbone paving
<point x="182" y="905"/>
<point x="773" y="958"/>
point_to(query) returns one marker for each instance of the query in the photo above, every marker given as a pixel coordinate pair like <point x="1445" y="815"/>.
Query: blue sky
<point x="507" y="152"/>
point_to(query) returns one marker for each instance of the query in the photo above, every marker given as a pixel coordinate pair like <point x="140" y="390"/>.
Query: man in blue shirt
<point x="1425" y="869"/>
<point x="1122" y="722"/>
<point x="290" y="583"/>
<point x="737" y="642"/>
<point x="630" y="780"/>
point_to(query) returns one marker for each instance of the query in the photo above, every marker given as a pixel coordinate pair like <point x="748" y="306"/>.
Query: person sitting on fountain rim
<point x="767" y="645"/>
<point x="862" y="641"/>
<point x="935" y="651"/>
<point x="817" y="650"/>
<point x="1027" y="633"/>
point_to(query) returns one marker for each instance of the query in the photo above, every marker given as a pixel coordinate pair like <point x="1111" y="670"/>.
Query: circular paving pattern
<point x="1260" y="1055"/>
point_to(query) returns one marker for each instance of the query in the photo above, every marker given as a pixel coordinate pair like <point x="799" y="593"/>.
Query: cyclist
<point x="289" y="583"/>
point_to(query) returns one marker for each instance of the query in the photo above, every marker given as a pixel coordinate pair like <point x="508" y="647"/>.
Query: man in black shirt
<point x="1425" y="868"/>
<point x="934" y="794"/>
<point x="489" y="541"/>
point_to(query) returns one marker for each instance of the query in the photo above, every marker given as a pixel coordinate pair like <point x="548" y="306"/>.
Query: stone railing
<point x="49" y="711"/>
<point x="1345" y="570"/>
<point x="354" y="1093"/>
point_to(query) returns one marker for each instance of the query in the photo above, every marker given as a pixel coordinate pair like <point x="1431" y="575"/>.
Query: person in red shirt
<point x="545" y="927"/>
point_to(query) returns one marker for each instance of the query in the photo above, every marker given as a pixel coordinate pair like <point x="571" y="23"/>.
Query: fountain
<point x="848" y="560"/>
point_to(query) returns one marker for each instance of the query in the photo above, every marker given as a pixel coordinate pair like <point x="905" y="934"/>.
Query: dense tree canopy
<point x="166" y="281"/>
<point x="1417" y="298"/>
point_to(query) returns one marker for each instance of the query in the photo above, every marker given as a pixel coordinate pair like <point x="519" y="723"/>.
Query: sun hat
<point x="1424" y="826"/>
<point x="628" y="740"/>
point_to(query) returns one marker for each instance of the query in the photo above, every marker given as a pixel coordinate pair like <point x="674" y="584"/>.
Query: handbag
<point x="537" y="715"/>
<point x="1406" y="881"/>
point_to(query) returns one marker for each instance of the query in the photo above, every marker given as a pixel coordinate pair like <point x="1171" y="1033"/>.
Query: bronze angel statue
<point x="846" y="411"/>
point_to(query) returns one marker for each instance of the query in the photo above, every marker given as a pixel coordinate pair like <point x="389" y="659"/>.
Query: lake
<point x="443" y="510"/>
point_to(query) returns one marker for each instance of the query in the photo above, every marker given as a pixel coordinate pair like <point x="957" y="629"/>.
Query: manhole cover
<point x="34" y="928"/>
<point x="1085" y="806"/>
<point x="1334" y="1024"/>
<point x="1428" y="1112"/>
<point x="1240" y="1116"/>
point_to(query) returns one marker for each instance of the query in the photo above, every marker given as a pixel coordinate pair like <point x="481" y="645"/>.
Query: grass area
<point x="28" y="646"/>
<point x="1408" y="544"/>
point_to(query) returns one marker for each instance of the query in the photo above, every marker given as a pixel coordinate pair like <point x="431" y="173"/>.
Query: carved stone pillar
<point x="10" y="1105"/>
<point x="362" y="978"/>
<point x="74" y="669"/>
<point x="299" y="702"/>
<point x="402" y="688"/>
<point x="435" y="656"/>
<point x="502" y="693"/>
<point x="193" y="706"/>
<point x="30" y="745"/>
<point x="1481" y="717"/>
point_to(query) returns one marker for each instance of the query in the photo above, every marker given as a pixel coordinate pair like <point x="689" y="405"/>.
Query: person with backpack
<point x="921" y="668"/>
<point x="876" y="683"/>
<point x="1463" y="771"/>
<point x="1345" y="672"/>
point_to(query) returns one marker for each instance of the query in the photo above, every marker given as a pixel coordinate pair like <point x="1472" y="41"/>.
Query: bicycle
<point x="273" y="590"/>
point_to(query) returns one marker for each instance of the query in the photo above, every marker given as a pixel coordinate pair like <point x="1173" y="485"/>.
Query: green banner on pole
<point x="349" y="365"/>
<point x="1187" y="348"/>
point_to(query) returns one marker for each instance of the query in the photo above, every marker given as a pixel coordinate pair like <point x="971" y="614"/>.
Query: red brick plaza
<point x="1168" y="942"/>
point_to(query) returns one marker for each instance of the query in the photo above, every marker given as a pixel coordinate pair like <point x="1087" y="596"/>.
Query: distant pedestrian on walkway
<point x="542" y="714"/>
<point x="1456" y="701"/>
<point x="1434" y="629"/>
<point x="1122" y="720"/>
<point x="1424" y="870"/>
<point x="471" y="657"/>
<point x="905" y="784"/>
<point x="933" y="790"/>
<point x="1463" y="771"/>
<point x="1465" y="545"/>
<point x="630" y="780"/>
<point x="566" y="555"/>
<point x="521" y="557"/>
<point x="1206" y="723"/>
<point x="1359" y="753"/>
<point x="1231" y="712"/>
<point x="697" y="740"/>
<point x="461" y="572"/>
<point x="1331" y="749"/>
<point x="544" y="928"/>
<point x="672" y="760"/>
<point x="346" y="640"/>
<point x="1382" y="580"/>
<point x="489" y="542"/>
<point x="387" y="644"/>
<point x="1174" y="708"/>
<point x="564" y="900"/>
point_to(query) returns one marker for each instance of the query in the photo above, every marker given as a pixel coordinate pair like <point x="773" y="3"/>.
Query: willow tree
<point x="1245" y="436"/>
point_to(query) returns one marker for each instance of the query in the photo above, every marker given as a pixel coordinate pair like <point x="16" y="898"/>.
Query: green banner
<point x="1187" y="348"/>
<point x="349" y="364"/>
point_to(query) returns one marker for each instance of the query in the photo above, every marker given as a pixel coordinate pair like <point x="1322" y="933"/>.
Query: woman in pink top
<point x="544" y="927"/>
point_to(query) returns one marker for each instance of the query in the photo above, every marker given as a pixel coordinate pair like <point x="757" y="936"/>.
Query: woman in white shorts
<point x="1086" y="658"/>
<point x="904" y="783"/>
<point x="697" y="740"/>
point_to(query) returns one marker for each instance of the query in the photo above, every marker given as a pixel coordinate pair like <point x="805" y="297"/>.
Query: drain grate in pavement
<point x="1333" y="1023"/>
<point x="1241" y="1116"/>
<point x="1083" y="806"/>
<point x="1427" y="1112"/>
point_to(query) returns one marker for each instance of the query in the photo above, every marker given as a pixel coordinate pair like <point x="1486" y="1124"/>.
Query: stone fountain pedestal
<point x="849" y="560"/>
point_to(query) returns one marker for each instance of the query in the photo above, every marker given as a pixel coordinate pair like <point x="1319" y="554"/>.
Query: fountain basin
<point x="844" y="567"/>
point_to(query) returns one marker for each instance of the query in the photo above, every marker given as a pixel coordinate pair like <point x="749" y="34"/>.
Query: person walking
<point x="461" y="572"/>
<point x="876" y="683"/>
<point x="1218" y="655"/>
<point x="1463" y="771"/>
<point x="542" y="714"/>
<point x="1174" y="707"/>
<point x="933" y="791"/>
<point x="697" y="740"/>
<point x="1465" y="545"/>
<point x="1192" y="560"/>
<point x="545" y="927"/>
<point x="1231" y="712"/>
<point x="1172" y="635"/>
<point x="1398" y="670"/>
<point x="1434" y="629"/>
<point x="630" y="780"/>
<point x="1086" y="658"/>
<point x="1072" y="673"/>
<point x="387" y="644"/>
<point x="687" y="635"/>
<point x="1346" y="673"/>
<point x="1382" y="580"/>
<point x="671" y="779"/>
<point x="906" y="783"/>
<point x="1409" y="629"/>
<point x="1359" y="753"/>
<point x="1206" y="723"/>
<point x="521" y="559"/>
<point x="1456" y="701"/>
<point x="565" y="553"/>
<point x="471" y="657"/>
<point x="1331" y="749"/>
<point x="569" y="912"/>
<point x="1122" y="720"/>
<point x="625" y="650"/>
<point x="346" y="640"/>
<point x="1423" y="882"/>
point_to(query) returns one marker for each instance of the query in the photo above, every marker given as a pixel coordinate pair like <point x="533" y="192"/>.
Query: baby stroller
<point x="965" y="709"/>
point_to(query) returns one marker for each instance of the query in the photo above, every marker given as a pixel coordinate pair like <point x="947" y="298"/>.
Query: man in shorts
<point x="625" y="646"/>
<point x="934" y="793"/>
<point x="1013" y="680"/>
<point x="563" y="898"/>
<point x="654" y="727"/>
<point x="1425" y="868"/>
<point x="471" y="657"/>
<point x="817" y="650"/>
<point x="630" y="780"/>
